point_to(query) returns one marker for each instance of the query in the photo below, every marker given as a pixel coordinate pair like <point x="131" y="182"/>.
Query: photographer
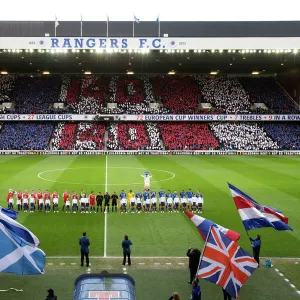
<point x="194" y="257"/>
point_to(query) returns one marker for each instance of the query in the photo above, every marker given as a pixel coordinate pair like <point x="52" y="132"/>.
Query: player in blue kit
<point x="122" y="196"/>
<point x="176" y="201"/>
<point x="146" y="196"/>
<point x="199" y="198"/>
<point x="169" y="201"/>
<point x="189" y="194"/>
<point x="161" y="194"/>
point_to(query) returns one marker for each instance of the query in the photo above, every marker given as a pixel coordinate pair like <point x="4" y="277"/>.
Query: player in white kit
<point x="138" y="203"/>
<point x="47" y="205"/>
<point x="170" y="204"/>
<point x="32" y="204"/>
<point x="132" y="204"/>
<point x="124" y="205"/>
<point x="147" y="205"/>
<point x="176" y="203"/>
<point x="55" y="205"/>
<point x="74" y="205"/>
<point x="41" y="204"/>
<point x="194" y="203"/>
<point x="153" y="204"/>
<point x="11" y="203"/>
<point x="68" y="206"/>
<point x="162" y="201"/>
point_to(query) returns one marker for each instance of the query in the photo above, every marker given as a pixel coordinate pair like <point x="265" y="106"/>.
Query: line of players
<point x="131" y="202"/>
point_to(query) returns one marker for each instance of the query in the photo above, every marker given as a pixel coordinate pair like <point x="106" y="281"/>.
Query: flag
<point x="10" y="213"/>
<point x="55" y="25"/>
<point x="157" y="20"/>
<point x="19" y="257"/>
<point x="136" y="19"/>
<point x="225" y="263"/>
<point x="16" y="228"/>
<point x="203" y="225"/>
<point x="254" y="215"/>
<point x="56" y="22"/>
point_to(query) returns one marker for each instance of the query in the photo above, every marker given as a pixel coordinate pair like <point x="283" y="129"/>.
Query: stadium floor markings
<point x="287" y="280"/>
<point x="105" y="214"/>
<point x="105" y="184"/>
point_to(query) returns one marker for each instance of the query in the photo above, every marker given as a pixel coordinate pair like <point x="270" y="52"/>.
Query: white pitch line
<point x="287" y="280"/>
<point x="73" y="264"/>
<point x="105" y="214"/>
<point x="161" y="257"/>
<point x="62" y="264"/>
<point x="168" y="263"/>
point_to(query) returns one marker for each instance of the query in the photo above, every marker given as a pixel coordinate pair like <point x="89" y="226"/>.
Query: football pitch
<point x="160" y="241"/>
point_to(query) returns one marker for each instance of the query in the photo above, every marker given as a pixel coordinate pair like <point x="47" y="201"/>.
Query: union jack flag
<point x="225" y="263"/>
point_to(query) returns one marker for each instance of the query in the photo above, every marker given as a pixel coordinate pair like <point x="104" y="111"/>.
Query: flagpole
<point x="133" y="26"/>
<point x="201" y="256"/>
<point x="55" y="21"/>
<point x="81" y="26"/>
<point x="158" y="26"/>
<point x="107" y="20"/>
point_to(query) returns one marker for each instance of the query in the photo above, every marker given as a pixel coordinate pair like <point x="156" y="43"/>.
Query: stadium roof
<point x="155" y="61"/>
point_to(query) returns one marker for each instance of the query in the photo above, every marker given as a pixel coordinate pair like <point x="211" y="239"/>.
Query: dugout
<point x="104" y="286"/>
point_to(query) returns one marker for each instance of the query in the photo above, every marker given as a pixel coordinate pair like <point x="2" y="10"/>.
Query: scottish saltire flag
<point x="225" y="263"/>
<point x="19" y="257"/>
<point x="254" y="215"/>
<point x="203" y="225"/>
<point x="18" y="229"/>
<point x="136" y="20"/>
<point x="10" y="213"/>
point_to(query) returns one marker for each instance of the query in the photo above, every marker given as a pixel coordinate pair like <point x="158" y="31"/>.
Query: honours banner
<point x="146" y="118"/>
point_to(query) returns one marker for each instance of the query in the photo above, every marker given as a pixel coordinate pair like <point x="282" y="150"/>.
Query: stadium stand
<point x="267" y="91"/>
<point x="90" y="136"/>
<point x="287" y="136"/>
<point x="63" y="137"/>
<point x="187" y="136"/>
<point x="180" y="95"/>
<point x="35" y="94"/>
<point x="242" y="136"/>
<point x="224" y="93"/>
<point x="6" y="86"/>
<point x="154" y="136"/>
<point x="127" y="136"/>
<point x="69" y="91"/>
<point x="25" y="136"/>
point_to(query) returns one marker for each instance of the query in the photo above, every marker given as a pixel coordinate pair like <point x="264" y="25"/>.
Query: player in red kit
<point x="19" y="200"/>
<point x="25" y="201"/>
<point x="66" y="197"/>
<point x="74" y="202"/>
<point x="92" y="199"/>
<point x="47" y="201"/>
<point x="55" y="197"/>
<point x="10" y="199"/>
<point x="33" y="195"/>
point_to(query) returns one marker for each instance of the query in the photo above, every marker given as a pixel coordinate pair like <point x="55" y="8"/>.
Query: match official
<point x="99" y="200"/>
<point x="114" y="199"/>
<point x="84" y="243"/>
<point x="106" y="202"/>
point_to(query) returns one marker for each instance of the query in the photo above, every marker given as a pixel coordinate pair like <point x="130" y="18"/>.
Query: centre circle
<point x="171" y="175"/>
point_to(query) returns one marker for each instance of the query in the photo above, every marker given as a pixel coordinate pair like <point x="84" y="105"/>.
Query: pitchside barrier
<point x="148" y="152"/>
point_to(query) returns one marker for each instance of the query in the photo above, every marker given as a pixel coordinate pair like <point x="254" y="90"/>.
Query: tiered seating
<point x="6" y="86"/>
<point x="36" y="94"/>
<point x="242" y="136"/>
<point x="181" y="95"/>
<point x="129" y="90"/>
<point x="267" y="91"/>
<point x="63" y="137"/>
<point x="154" y="136"/>
<point x="189" y="136"/>
<point x="225" y="93"/>
<point x="69" y="91"/>
<point x="25" y="136"/>
<point x="127" y="136"/>
<point x="287" y="136"/>
<point x="90" y="136"/>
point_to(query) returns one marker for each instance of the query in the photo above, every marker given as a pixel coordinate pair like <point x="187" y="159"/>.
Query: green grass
<point x="152" y="282"/>
<point x="270" y="180"/>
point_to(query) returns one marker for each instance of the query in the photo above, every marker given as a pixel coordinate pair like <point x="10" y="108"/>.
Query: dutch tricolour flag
<point x="203" y="225"/>
<point x="254" y="215"/>
<point x="19" y="253"/>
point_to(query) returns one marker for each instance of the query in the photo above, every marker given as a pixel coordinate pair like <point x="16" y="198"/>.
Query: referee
<point x="99" y="200"/>
<point x="114" y="199"/>
<point x="106" y="202"/>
